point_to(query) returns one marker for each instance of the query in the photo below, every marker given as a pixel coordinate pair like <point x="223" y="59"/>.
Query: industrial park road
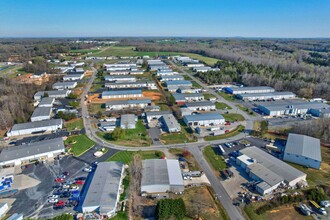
<point x="220" y="191"/>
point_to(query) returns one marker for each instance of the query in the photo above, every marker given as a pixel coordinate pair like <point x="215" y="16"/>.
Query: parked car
<point x="79" y="182"/>
<point x="59" y="180"/>
<point x="53" y="196"/>
<point x="81" y="178"/>
<point x="325" y="203"/>
<point x="66" y="173"/>
<point x="52" y="200"/>
<point x="88" y="169"/>
<point x="74" y="187"/>
<point x="66" y="186"/>
<point x="62" y="176"/>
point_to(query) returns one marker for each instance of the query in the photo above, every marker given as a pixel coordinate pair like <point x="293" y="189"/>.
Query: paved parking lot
<point x="155" y="133"/>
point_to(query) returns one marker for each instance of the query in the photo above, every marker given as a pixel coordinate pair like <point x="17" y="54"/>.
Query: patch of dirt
<point x="152" y="95"/>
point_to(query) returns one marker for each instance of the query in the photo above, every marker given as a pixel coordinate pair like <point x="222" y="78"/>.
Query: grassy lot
<point x="232" y="133"/>
<point x="75" y="124"/>
<point x="196" y="85"/>
<point x="125" y="184"/>
<point x="208" y="60"/>
<point x="243" y="108"/>
<point x="212" y="156"/>
<point x="130" y="51"/>
<point x="95" y="108"/>
<point x="227" y="96"/>
<point x="186" y="77"/>
<point x="127" y="156"/>
<point x="233" y="117"/>
<point x="208" y="96"/>
<point x="96" y="87"/>
<point x="85" y="51"/>
<point x="137" y="137"/>
<point x="163" y="105"/>
<point x="79" y="144"/>
<point x="120" y="216"/>
<point x="192" y="163"/>
<point x="221" y="105"/>
<point x="199" y="200"/>
<point x="288" y="212"/>
<point x="177" y="138"/>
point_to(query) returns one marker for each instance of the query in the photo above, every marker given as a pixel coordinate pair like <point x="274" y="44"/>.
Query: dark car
<point x="81" y="178"/>
<point x="65" y="195"/>
<point x="66" y="173"/>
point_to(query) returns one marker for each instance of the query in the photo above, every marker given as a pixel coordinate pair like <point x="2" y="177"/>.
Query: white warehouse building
<point x="250" y="89"/>
<point x="41" y="113"/>
<point x="266" y="96"/>
<point x="303" y="150"/>
<point x="207" y="119"/>
<point x="117" y="94"/>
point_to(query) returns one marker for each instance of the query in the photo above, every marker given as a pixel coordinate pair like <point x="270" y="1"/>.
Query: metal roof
<point x="178" y="82"/>
<point x="284" y="170"/>
<point x="171" y="122"/>
<point x="122" y="92"/>
<point x="130" y="83"/>
<point x="203" y="117"/>
<point x="267" y="94"/>
<point x="31" y="149"/>
<point x="249" y="88"/>
<point x="67" y="83"/>
<point x="46" y="101"/>
<point x="129" y="102"/>
<point x="161" y="172"/>
<point x="265" y="174"/>
<point x="104" y="187"/>
<point x="303" y="145"/>
<point x="172" y="77"/>
<point x="127" y="120"/>
<point x="293" y="103"/>
<point x="158" y="113"/>
<point x="198" y="104"/>
<point x="41" y="111"/>
<point x="52" y="92"/>
<point x="120" y="77"/>
<point x="183" y="96"/>
<point x="36" y="124"/>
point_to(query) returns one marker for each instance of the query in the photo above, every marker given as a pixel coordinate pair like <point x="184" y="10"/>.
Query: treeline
<point x="315" y="128"/>
<point x="170" y="209"/>
<point x="15" y="101"/>
<point x="39" y="64"/>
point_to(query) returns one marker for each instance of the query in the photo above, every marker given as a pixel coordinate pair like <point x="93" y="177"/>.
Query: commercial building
<point x="200" y="106"/>
<point x="46" y="102"/>
<point x="289" y="107"/>
<point x="35" y="127"/>
<point x="64" y="85"/>
<point x="303" y="150"/>
<point x="41" y="113"/>
<point x="139" y="84"/>
<point x="181" y="98"/>
<point x="207" y="119"/>
<point x="119" y="66"/>
<point x="27" y="153"/>
<point x="107" y="125"/>
<point x="171" y="78"/>
<point x="127" y="104"/>
<point x="266" y="96"/>
<point x="156" y="115"/>
<point x="188" y="89"/>
<point x="191" y="65"/>
<point x="204" y="69"/>
<point x="269" y="171"/>
<point x="73" y="76"/>
<point x="104" y="190"/>
<point x="168" y="72"/>
<point x="170" y="124"/>
<point x="52" y="94"/>
<point x="161" y="176"/>
<point x="117" y="94"/>
<point x="252" y="89"/>
<point x="175" y="85"/>
<point x="126" y="78"/>
<point x="128" y="121"/>
<point x="322" y="113"/>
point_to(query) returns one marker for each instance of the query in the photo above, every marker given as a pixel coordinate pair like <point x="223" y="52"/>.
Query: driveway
<point x="155" y="133"/>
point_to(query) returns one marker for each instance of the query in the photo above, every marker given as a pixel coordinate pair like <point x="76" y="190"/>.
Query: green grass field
<point x="208" y="60"/>
<point x="137" y="137"/>
<point x="120" y="216"/>
<point x="221" y="105"/>
<point x="85" y="51"/>
<point x="196" y="85"/>
<point x="75" y="124"/>
<point x="226" y="96"/>
<point x="233" y="117"/>
<point x="176" y="138"/>
<point x="232" y="133"/>
<point x="208" y="96"/>
<point x="127" y="156"/>
<point x="79" y="144"/>
<point x="216" y="161"/>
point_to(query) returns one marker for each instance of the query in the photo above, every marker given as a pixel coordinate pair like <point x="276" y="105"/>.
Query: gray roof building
<point x="41" y="113"/>
<point x="161" y="176"/>
<point x="64" y="85"/>
<point x="103" y="192"/>
<point x="199" y="104"/>
<point x="207" y="119"/>
<point x="17" y="154"/>
<point x="52" y="93"/>
<point x="265" y="96"/>
<point x="122" y="93"/>
<point x="249" y="89"/>
<point x="303" y="150"/>
<point x="156" y="114"/>
<point x="170" y="123"/>
<point x="46" y="102"/>
<point x="127" y="121"/>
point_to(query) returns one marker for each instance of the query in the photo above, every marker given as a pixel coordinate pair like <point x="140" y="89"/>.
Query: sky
<point x="193" y="18"/>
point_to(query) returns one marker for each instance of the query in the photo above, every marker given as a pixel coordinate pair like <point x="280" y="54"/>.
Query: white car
<point x="322" y="211"/>
<point x="52" y="200"/>
<point x="325" y="203"/>
<point x="66" y="186"/>
<point x="74" y="187"/>
<point x="53" y="197"/>
<point x="88" y="169"/>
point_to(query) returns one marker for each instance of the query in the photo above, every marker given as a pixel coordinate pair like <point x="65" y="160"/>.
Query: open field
<point x="227" y="96"/>
<point x="208" y="96"/>
<point x="74" y="124"/>
<point x="233" y="117"/>
<point x="85" y="51"/>
<point x="208" y="60"/>
<point x="154" y="96"/>
<point x="199" y="200"/>
<point x="216" y="160"/>
<point x="192" y="163"/>
<point x="177" y="138"/>
<point x="243" y="108"/>
<point x="137" y="137"/>
<point x="120" y="216"/>
<point x="95" y="108"/>
<point x="232" y="133"/>
<point x="127" y="156"/>
<point x="221" y="105"/>
<point x="79" y="144"/>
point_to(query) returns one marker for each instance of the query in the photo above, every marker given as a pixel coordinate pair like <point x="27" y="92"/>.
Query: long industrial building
<point x="64" y="85"/>
<point x="289" y="107"/>
<point x="269" y="171"/>
<point x="181" y="98"/>
<point x="161" y="176"/>
<point x="251" y="89"/>
<point x="139" y="84"/>
<point x="103" y="192"/>
<point x="126" y="78"/>
<point x="46" y="102"/>
<point x="117" y="94"/>
<point x="35" y="127"/>
<point x="303" y="150"/>
<point x="207" y="119"/>
<point x="127" y="104"/>
<point x="41" y="113"/>
<point x="266" y="96"/>
<point x="52" y="94"/>
<point x="170" y="123"/>
<point x="27" y="153"/>
<point x="201" y="106"/>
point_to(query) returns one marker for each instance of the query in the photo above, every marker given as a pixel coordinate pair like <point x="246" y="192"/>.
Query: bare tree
<point x="135" y="171"/>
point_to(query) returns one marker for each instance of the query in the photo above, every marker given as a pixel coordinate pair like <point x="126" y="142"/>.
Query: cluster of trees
<point x="39" y="64"/>
<point x="135" y="170"/>
<point x="170" y="209"/>
<point x="16" y="101"/>
<point x="66" y="116"/>
<point x="318" y="59"/>
<point x="118" y="133"/>
<point x="315" y="194"/>
<point x="315" y="128"/>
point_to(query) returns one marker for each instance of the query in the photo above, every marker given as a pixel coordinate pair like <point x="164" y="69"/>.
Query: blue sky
<point x="205" y="18"/>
